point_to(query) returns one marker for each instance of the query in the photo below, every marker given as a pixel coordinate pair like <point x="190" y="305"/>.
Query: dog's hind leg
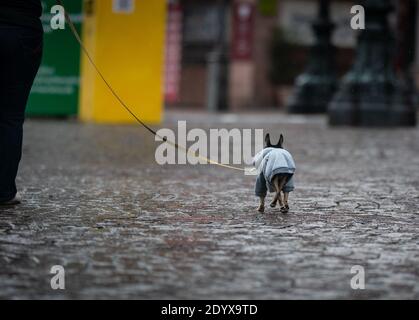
<point x="286" y="194"/>
<point x="281" y="185"/>
<point x="262" y="204"/>
<point x="276" y="185"/>
<point x="286" y="208"/>
<point x="260" y="191"/>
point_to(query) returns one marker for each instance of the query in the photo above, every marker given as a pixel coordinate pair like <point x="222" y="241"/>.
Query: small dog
<point x="277" y="168"/>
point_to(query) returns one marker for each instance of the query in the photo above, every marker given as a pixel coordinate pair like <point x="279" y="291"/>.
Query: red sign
<point x="243" y="25"/>
<point x="173" y="53"/>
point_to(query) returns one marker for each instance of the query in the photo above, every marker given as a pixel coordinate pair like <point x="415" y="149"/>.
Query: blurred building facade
<point x="256" y="47"/>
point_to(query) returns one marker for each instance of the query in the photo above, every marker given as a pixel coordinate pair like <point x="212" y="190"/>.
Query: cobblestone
<point x="96" y="202"/>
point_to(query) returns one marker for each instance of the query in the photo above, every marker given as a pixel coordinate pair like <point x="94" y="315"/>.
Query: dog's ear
<point x="268" y="141"/>
<point x="280" y="142"/>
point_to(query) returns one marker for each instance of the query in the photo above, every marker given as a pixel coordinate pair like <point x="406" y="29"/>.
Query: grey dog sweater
<point x="270" y="162"/>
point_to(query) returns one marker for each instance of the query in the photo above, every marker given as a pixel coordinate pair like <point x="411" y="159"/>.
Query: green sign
<point x="268" y="7"/>
<point x="56" y="88"/>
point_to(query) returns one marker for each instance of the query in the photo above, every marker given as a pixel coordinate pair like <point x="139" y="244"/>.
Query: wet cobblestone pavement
<point x="96" y="203"/>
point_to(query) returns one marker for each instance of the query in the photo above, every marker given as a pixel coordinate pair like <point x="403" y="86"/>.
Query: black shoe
<point x="14" y="202"/>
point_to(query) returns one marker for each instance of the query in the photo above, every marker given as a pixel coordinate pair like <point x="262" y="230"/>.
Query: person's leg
<point x="20" y="57"/>
<point x="260" y="191"/>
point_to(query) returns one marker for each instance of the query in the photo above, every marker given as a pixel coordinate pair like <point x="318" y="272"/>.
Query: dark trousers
<point x="20" y="57"/>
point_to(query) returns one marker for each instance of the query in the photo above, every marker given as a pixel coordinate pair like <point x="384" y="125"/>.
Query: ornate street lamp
<point x="406" y="45"/>
<point x="316" y="86"/>
<point x="371" y="94"/>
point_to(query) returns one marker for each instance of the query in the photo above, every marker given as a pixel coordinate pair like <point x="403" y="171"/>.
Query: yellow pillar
<point x="128" y="47"/>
